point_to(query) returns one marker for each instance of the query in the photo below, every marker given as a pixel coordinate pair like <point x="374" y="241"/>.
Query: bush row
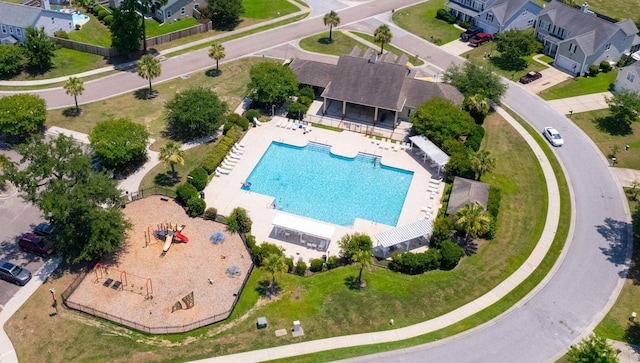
<point x="446" y="258"/>
<point x="298" y="109"/>
<point x="216" y="157"/>
<point x="442" y="14"/>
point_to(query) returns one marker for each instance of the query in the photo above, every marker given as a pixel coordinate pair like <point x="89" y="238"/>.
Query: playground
<point x="171" y="273"/>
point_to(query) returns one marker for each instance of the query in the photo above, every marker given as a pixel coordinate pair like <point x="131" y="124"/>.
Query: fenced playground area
<point x="157" y="286"/>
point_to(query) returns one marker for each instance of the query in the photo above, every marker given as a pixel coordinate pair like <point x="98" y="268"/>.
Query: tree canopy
<point x="40" y="48"/>
<point x="352" y="244"/>
<point x="593" y="349"/>
<point x="331" y="19"/>
<point x="172" y="154"/>
<point x="125" y="29"/>
<point x="74" y="86"/>
<point x="22" y="115"/>
<point x="225" y="14"/>
<point x="12" y="60"/>
<point x="624" y="107"/>
<point x="195" y="112"/>
<point x="513" y="44"/>
<point x="83" y="206"/>
<point x="145" y="7"/>
<point x="439" y="119"/>
<point x="119" y="143"/>
<point x="217" y="52"/>
<point x="148" y="67"/>
<point x="382" y="35"/>
<point x="473" y="220"/>
<point x="472" y="79"/>
<point x="271" y="83"/>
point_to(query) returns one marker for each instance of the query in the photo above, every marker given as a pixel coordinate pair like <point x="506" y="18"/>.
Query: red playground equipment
<point x="170" y="232"/>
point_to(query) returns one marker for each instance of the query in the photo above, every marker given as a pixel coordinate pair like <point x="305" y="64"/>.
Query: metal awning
<point x="405" y="233"/>
<point x="304" y="225"/>
<point x="430" y="149"/>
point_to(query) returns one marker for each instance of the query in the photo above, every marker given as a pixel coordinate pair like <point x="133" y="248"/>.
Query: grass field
<point x="605" y="142"/>
<point x="155" y="28"/>
<point x="323" y="302"/>
<point x="267" y="9"/>
<point x="67" y="62"/>
<point x="93" y="32"/>
<point x="319" y="43"/>
<point x="479" y="54"/>
<point x="421" y="20"/>
<point x="581" y="86"/>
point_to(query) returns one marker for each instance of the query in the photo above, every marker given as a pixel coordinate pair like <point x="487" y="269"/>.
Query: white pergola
<point x="288" y="222"/>
<point x="430" y="150"/>
<point x="402" y="235"/>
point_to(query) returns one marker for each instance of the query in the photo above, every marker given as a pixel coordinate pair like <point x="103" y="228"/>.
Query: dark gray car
<point x="13" y="273"/>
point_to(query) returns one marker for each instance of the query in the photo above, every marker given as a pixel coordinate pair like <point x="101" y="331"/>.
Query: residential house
<point x="385" y="85"/>
<point x="629" y="78"/>
<point x="16" y="18"/>
<point x="494" y="16"/>
<point x="178" y="9"/>
<point x="578" y="38"/>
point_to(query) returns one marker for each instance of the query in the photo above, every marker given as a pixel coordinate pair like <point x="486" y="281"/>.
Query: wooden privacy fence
<point x="87" y="48"/>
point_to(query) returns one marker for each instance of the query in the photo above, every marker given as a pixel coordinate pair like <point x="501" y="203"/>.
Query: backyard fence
<point x="87" y="48"/>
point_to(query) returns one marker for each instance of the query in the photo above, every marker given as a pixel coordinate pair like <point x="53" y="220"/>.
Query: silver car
<point x="553" y="136"/>
<point x="13" y="273"/>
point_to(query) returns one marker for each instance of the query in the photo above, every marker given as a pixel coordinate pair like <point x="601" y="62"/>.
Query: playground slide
<point x="167" y="244"/>
<point x="181" y="237"/>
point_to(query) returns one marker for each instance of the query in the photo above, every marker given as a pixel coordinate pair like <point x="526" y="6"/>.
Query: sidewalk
<point x="627" y="353"/>
<point x="594" y="101"/>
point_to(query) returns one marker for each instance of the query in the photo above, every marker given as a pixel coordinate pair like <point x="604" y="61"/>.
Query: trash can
<point x="262" y="323"/>
<point x="202" y="195"/>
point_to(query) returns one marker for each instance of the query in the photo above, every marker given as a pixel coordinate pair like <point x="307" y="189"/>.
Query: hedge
<point x="301" y="268"/>
<point x="316" y="265"/>
<point x="198" y="177"/>
<point x="220" y="152"/>
<point x="196" y="206"/>
<point x="210" y="214"/>
<point x="185" y="192"/>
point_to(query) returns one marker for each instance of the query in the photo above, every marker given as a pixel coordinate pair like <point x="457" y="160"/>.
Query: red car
<point x="38" y="245"/>
<point x="480" y="38"/>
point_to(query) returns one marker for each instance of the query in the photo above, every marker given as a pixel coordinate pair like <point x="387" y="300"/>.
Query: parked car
<point x="470" y="32"/>
<point x="480" y="38"/>
<point x="15" y="274"/>
<point x="38" y="245"/>
<point x="530" y="77"/>
<point x="44" y="229"/>
<point x="553" y="136"/>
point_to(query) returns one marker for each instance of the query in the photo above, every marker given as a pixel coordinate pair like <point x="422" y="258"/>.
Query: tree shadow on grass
<point x="145" y="94"/>
<point x="632" y="333"/>
<point x="613" y="126"/>
<point x="325" y="40"/>
<point x="71" y="112"/>
<point x="507" y="64"/>
<point x="351" y="282"/>
<point x="165" y="179"/>
<point x="265" y="290"/>
<point x="213" y="72"/>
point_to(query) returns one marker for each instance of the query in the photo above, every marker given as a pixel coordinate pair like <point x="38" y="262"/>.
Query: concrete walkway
<point x="594" y="101"/>
<point x="627" y="353"/>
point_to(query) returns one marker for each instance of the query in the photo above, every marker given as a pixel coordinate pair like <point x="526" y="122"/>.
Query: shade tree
<point x="472" y="78"/>
<point x="40" y="48"/>
<point x="271" y="83"/>
<point x="125" y="29"/>
<point x="22" y="115"/>
<point x="352" y="244"/>
<point x="120" y="143"/>
<point x="224" y="14"/>
<point x="194" y="113"/>
<point x="593" y="349"/>
<point x="13" y="59"/>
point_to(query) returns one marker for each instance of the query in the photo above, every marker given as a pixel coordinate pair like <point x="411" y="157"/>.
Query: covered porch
<point x="302" y="231"/>
<point x="429" y="150"/>
<point x="402" y="238"/>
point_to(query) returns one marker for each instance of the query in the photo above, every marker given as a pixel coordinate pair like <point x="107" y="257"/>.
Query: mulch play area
<point x="192" y="281"/>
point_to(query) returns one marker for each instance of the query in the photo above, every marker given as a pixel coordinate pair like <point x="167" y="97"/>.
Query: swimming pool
<point x="311" y="182"/>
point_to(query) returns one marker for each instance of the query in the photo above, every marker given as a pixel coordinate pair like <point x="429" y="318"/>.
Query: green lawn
<point x="93" y="32"/>
<point x="67" y="62"/>
<point x="390" y="48"/>
<point x="421" y="20"/>
<point x="267" y="9"/>
<point x="581" y="86"/>
<point x="319" y="43"/>
<point x="155" y="28"/>
<point x="480" y="55"/>
<point x="605" y="142"/>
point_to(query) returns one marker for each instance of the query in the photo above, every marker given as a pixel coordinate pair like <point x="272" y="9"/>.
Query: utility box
<point x="262" y="323"/>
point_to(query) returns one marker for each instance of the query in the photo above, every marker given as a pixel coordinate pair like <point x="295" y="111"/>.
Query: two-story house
<point x="16" y="18"/>
<point x="577" y="38"/>
<point x="494" y="16"/>
<point x="629" y="78"/>
<point x="174" y="10"/>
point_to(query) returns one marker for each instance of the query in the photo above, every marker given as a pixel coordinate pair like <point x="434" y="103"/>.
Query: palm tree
<point x="363" y="257"/>
<point x="171" y="154"/>
<point x="331" y="19"/>
<point x="382" y="35"/>
<point x="145" y="8"/>
<point x="473" y="220"/>
<point x="482" y="162"/>
<point x="274" y="264"/>
<point x="478" y="106"/>
<point x="148" y="67"/>
<point x="74" y="87"/>
<point x="217" y="52"/>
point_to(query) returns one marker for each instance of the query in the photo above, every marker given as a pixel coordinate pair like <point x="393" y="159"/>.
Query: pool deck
<point x="224" y="192"/>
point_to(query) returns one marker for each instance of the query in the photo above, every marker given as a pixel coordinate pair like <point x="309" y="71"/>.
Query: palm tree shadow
<point x="265" y="290"/>
<point x="351" y="282"/>
<point x="325" y="40"/>
<point x="71" y="112"/>
<point x="632" y="335"/>
<point x="145" y="94"/>
<point x="164" y="179"/>
<point x="213" y="72"/>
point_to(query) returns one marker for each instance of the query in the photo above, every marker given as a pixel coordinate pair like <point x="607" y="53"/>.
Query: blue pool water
<point x="310" y="181"/>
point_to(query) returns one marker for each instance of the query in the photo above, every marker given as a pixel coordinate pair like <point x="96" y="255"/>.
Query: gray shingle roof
<point x="417" y="92"/>
<point x="579" y="24"/>
<point x="18" y="15"/>
<point x="311" y="72"/>
<point x="466" y="191"/>
<point x="628" y="27"/>
<point x="503" y="10"/>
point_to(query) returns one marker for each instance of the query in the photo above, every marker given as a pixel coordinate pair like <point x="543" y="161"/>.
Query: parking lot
<point x="16" y="218"/>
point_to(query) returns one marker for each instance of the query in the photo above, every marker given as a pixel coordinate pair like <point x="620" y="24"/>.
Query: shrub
<point x="442" y="228"/>
<point x="218" y="154"/>
<point x="227" y="126"/>
<point x="493" y="202"/>
<point x="415" y="263"/>
<point x="441" y="14"/>
<point x="234" y="118"/>
<point x="108" y="19"/>
<point x="451" y="253"/>
<point x="465" y="25"/>
<point x="61" y="34"/>
<point x="185" y="192"/>
<point x="102" y="13"/>
<point x="625" y="60"/>
<point x="296" y="110"/>
<point x="238" y="221"/>
<point x="78" y="27"/>
<point x="305" y="101"/>
<point x="210" y="214"/>
<point x="290" y="264"/>
<point x="605" y="66"/>
<point x="307" y="92"/>
<point x="333" y="262"/>
<point x="250" y="114"/>
<point x="96" y="9"/>
<point x="196" y="206"/>
<point x="594" y="70"/>
<point x="265" y="249"/>
<point x="316" y="265"/>
<point x="301" y="268"/>
<point x="198" y="178"/>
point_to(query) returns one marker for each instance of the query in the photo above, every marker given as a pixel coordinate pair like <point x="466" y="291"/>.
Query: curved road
<point x="585" y="283"/>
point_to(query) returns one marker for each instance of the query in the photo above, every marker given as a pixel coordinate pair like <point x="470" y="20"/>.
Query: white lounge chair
<point x="395" y="146"/>
<point x="230" y="161"/>
<point x="220" y="170"/>
<point x="235" y="155"/>
<point x="255" y="119"/>
<point x="237" y="151"/>
<point x="227" y="165"/>
<point x="279" y="124"/>
<point x="238" y="146"/>
<point x="387" y="144"/>
<point x="381" y="143"/>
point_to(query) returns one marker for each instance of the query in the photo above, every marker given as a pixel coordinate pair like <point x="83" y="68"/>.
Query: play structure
<point x="127" y="281"/>
<point x="170" y="232"/>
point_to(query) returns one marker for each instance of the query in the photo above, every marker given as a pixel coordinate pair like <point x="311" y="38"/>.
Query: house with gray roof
<point x="628" y="78"/>
<point x="174" y="10"/>
<point x="467" y="191"/>
<point x="16" y="18"/>
<point x="384" y="84"/>
<point x="495" y="16"/>
<point x="578" y="38"/>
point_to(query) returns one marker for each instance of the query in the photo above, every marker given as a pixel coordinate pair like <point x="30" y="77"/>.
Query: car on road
<point x="38" y="245"/>
<point x="470" y="32"/>
<point x="530" y="77"/>
<point x="13" y="273"/>
<point x="480" y="38"/>
<point x="44" y="229"/>
<point x="553" y="136"/>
